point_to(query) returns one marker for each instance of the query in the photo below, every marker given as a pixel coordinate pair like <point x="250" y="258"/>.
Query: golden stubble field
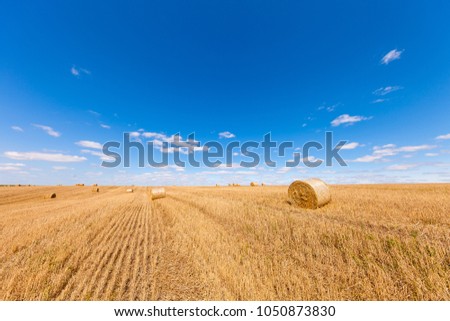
<point x="372" y="242"/>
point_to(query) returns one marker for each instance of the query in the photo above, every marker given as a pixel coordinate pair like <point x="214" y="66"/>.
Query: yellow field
<point x="378" y="242"/>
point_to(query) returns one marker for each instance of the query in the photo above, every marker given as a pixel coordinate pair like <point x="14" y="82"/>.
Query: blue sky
<point x="75" y="75"/>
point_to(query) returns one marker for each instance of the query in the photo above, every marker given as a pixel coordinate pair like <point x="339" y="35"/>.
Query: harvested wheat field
<point x="372" y="242"/>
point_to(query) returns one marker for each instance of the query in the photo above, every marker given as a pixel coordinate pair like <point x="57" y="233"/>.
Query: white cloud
<point x="415" y="148"/>
<point x="447" y="136"/>
<point x="44" y="157"/>
<point x="386" y="90"/>
<point x="367" y="158"/>
<point x="431" y="154"/>
<point x="226" y="134"/>
<point x="50" y="131"/>
<point x="392" y="55"/>
<point x="8" y="168"/>
<point x="160" y="136"/>
<point x="401" y="167"/>
<point x="380" y="153"/>
<point x="379" y="100"/>
<point x="351" y="146"/>
<point x="89" y="144"/>
<point x="17" y="128"/>
<point x="61" y="168"/>
<point x="11" y="166"/>
<point x="135" y="134"/>
<point x="105" y="126"/>
<point x="98" y="154"/>
<point x="347" y="119"/>
<point x="76" y="71"/>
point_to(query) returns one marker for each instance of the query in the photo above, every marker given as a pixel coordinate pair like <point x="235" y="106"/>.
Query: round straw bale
<point x="253" y="184"/>
<point x="130" y="190"/>
<point x="96" y="190"/>
<point x="158" y="192"/>
<point x="311" y="193"/>
<point x="95" y="185"/>
<point x="50" y="195"/>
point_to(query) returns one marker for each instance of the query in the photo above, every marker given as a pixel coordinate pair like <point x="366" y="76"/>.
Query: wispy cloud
<point x="50" y="131"/>
<point x="386" y="90"/>
<point x="226" y="134"/>
<point x="98" y="154"/>
<point x="447" y="136"/>
<point x="431" y="154"/>
<point x="347" y="120"/>
<point x="328" y="108"/>
<point x="381" y="152"/>
<point x="351" y="146"/>
<point x="89" y="144"/>
<point x="61" y="168"/>
<point x="93" y="112"/>
<point x="105" y="126"/>
<point x="379" y="100"/>
<point x="77" y="71"/>
<point x="11" y="166"/>
<point x="401" y="167"/>
<point x="44" y="157"/>
<point x="17" y="128"/>
<point x="392" y="55"/>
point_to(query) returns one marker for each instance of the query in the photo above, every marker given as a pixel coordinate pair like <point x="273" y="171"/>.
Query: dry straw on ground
<point x="373" y="242"/>
<point x="50" y="195"/>
<point x="311" y="193"/>
<point x="159" y="192"/>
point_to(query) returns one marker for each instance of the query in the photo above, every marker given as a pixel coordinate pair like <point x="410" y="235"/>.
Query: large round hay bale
<point x="311" y="193"/>
<point x="130" y="190"/>
<point x="50" y="195"/>
<point x="253" y="184"/>
<point x="96" y="190"/>
<point x="157" y="192"/>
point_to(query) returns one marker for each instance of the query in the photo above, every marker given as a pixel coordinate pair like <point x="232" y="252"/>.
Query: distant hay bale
<point x="262" y="184"/>
<point x="157" y="192"/>
<point x="96" y="190"/>
<point x="95" y="185"/>
<point x="50" y="195"/>
<point x="311" y="193"/>
<point x="130" y="190"/>
<point x="217" y="185"/>
<point x="79" y="184"/>
<point x="253" y="184"/>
